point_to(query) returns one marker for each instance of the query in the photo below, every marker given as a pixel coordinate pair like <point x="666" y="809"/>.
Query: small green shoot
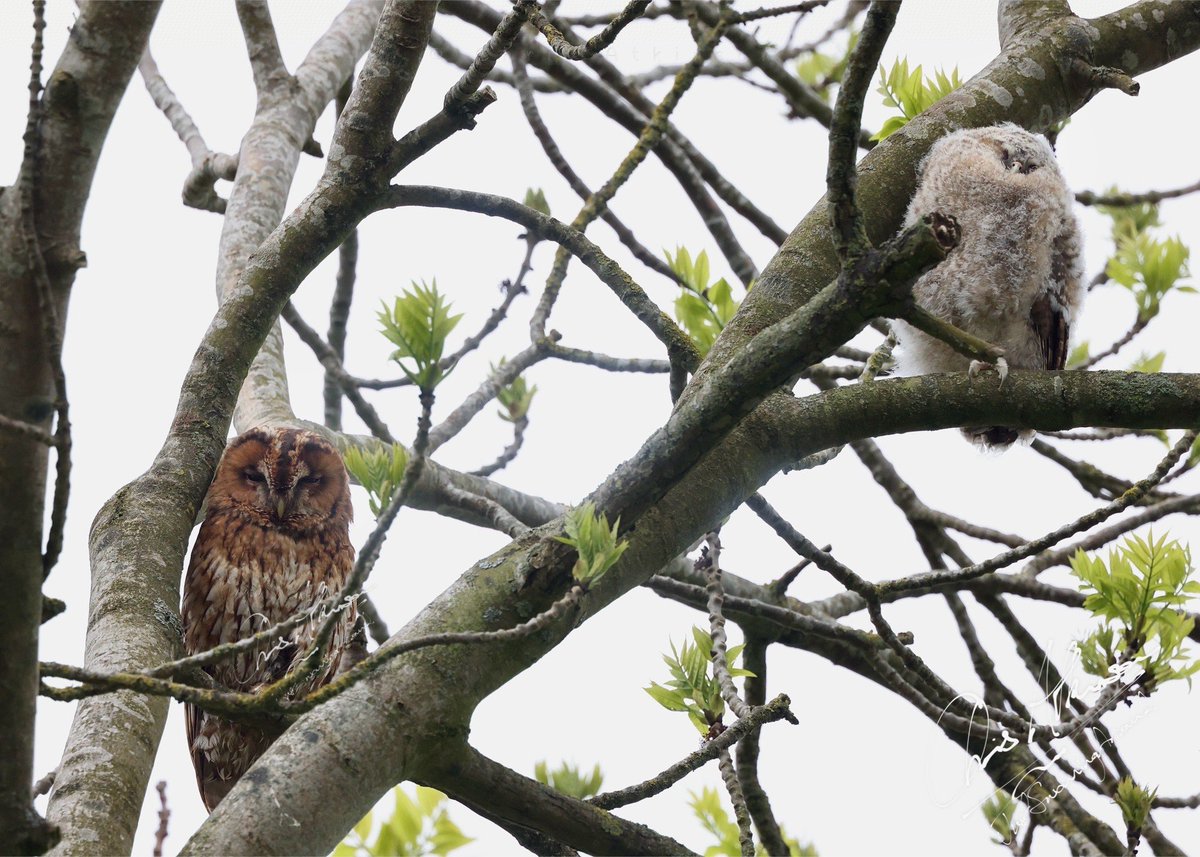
<point x="378" y="470"/>
<point x="713" y="817"/>
<point x="1149" y="362"/>
<point x="999" y="811"/>
<point x="1140" y="594"/>
<point x="692" y="687"/>
<point x="514" y="398"/>
<point x="594" y="540"/>
<point x="821" y="72"/>
<point x="1134" y="802"/>
<point x="418" y="324"/>
<point x="1149" y="268"/>
<point x="1079" y="355"/>
<point x="535" y="199"/>
<point x="569" y="780"/>
<point x="415" y="827"/>
<point x="1129" y="220"/>
<point x="911" y="93"/>
<point x="703" y="309"/>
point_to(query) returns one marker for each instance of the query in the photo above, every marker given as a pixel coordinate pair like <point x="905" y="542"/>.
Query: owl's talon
<point x="1000" y="367"/>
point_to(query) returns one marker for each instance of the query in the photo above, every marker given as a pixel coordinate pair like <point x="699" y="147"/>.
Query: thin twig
<point x="333" y="368"/>
<point x="599" y="200"/>
<point x="561" y="46"/>
<point x="510" y="452"/>
<point x="841" y="178"/>
<point x="27" y="430"/>
<point x="1088" y="197"/>
<point x="44" y="785"/>
<point x="754" y="659"/>
<point x="710" y="562"/>
<point x="1085" y="522"/>
<point x="490" y="509"/>
<point x="559" y="162"/>
<point x="1138" y="326"/>
<point x="164" y="816"/>
<point x="776" y="709"/>
<point x="343" y="295"/>
<point x="734" y="787"/>
<point x="51" y="331"/>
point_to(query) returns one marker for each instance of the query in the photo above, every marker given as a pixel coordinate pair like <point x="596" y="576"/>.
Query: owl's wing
<point x="1052" y="329"/>
<point x="206" y="774"/>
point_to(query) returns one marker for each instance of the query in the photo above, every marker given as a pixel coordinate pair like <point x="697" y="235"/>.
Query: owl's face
<point x="1019" y="151"/>
<point x="283" y="478"/>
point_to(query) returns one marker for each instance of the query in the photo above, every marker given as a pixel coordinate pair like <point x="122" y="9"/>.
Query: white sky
<point x="843" y="780"/>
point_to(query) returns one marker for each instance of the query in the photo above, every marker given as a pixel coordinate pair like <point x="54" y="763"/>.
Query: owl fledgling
<point x="1015" y="278"/>
<point x="275" y="541"/>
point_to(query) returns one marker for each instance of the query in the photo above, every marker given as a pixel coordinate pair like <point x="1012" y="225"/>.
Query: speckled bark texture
<point x="729" y="434"/>
<point x="81" y="97"/>
<point x="139" y="537"/>
<point x="392" y="726"/>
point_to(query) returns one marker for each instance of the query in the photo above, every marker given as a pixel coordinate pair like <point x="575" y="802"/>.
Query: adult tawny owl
<point x="275" y="541"/>
<point x="1015" y="278"/>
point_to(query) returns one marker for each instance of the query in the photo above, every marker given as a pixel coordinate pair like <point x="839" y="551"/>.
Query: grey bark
<point x="80" y="99"/>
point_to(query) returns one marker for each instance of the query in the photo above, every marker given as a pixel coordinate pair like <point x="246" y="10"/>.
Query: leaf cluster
<point x="417" y="324"/>
<point x="1140" y="594"/>
<point x="911" y="93"/>
<point x="999" y="811"/>
<point x="515" y="398"/>
<point x="703" y="309"/>
<point x="822" y="71"/>
<point x="1134" y="801"/>
<point x="380" y="471"/>
<point x="1148" y="362"/>
<point x="570" y="780"/>
<point x="415" y="827"/>
<point x="711" y="812"/>
<point x="1146" y="266"/>
<point x="693" y="687"/>
<point x="1150" y="268"/>
<point x="536" y="199"/>
<point x="594" y="540"/>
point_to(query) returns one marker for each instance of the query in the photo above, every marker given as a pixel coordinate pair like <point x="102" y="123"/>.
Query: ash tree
<point x="755" y="355"/>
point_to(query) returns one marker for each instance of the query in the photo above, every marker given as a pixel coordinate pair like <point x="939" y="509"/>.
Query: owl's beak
<point x="280" y="507"/>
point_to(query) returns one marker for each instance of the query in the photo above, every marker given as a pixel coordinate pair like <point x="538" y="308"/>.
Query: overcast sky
<point x="864" y="773"/>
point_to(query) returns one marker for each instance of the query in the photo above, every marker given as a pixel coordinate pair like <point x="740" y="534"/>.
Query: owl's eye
<point x="310" y="480"/>
<point x="254" y="476"/>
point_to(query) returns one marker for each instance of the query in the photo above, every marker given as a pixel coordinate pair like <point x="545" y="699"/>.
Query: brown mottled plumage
<point x="275" y="541"/>
<point x="1016" y="277"/>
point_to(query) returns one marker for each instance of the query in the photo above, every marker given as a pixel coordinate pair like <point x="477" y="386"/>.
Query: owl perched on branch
<point x="1015" y="279"/>
<point x="275" y="541"/>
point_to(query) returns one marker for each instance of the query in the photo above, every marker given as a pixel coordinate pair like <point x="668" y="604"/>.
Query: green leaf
<point x="1078" y="356"/>
<point x="911" y="93"/>
<point x="596" y="542"/>
<point x="1149" y="268"/>
<point x="515" y="398"/>
<point x="536" y="200"/>
<point x="418" y="323"/>
<point x="569" y="780"/>
<point x="380" y="471"/>
<point x="999" y="810"/>
<point x="1134" y="802"/>
<point x="363" y="828"/>
<point x="1142" y="592"/>
<point x="344" y="849"/>
<point x="1148" y="363"/>
<point x="672" y="700"/>
<point x="406" y="818"/>
<point x="429" y="799"/>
